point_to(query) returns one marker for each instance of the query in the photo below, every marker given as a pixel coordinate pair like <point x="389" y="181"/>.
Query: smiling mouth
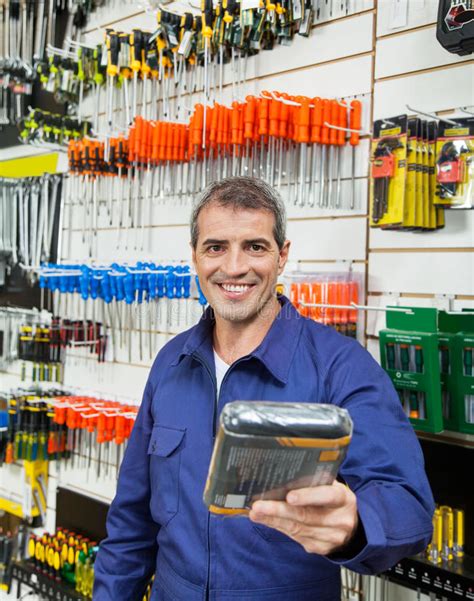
<point x="236" y="289"/>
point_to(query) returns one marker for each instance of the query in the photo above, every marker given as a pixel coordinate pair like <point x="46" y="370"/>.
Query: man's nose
<point x="235" y="262"/>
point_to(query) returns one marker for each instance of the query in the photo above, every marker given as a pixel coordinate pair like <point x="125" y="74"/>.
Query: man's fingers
<point x="280" y="509"/>
<point x="331" y="496"/>
<point x="314" y="539"/>
<point x="291" y="528"/>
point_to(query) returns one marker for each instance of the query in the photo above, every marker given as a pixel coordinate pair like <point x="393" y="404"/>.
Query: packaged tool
<point x="326" y="297"/>
<point x="265" y="449"/>
<point x="455" y="28"/>
<point x="455" y="165"/>
<point x="429" y="356"/>
<point x="456" y="337"/>
<point x="403" y="192"/>
<point x="464" y="360"/>
<point x="409" y="354"/>
<point x="389" y="163"/>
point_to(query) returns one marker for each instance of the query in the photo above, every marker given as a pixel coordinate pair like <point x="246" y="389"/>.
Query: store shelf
<point x="447" y="437"/>
<point x="453" y="580"/>
<point x="23" y="572"/>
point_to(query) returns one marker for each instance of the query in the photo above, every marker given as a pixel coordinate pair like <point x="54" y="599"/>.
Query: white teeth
<point x="235" y="287"/>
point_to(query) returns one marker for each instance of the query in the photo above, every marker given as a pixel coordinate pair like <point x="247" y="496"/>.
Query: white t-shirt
<point x="221" y="370"/>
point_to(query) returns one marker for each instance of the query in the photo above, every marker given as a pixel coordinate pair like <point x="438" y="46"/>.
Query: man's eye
<point x="256" y="247"/>
<point x="215" y="248"/>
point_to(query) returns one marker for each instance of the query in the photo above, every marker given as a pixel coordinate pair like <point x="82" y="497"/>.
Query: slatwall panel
<point x="362" y="55"/>
<point x="433" y="268"/>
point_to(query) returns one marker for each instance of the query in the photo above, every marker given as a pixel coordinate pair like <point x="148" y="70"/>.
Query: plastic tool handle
<point x="355" y="121"/>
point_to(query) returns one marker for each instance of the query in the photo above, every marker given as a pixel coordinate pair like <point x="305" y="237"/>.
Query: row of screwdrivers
<point x="111" y="421"/>
<point x="120" y="282"/>
<point x="29" y="431"/>
<point x="42" y="428"/>
<point x="45" y="345"/>
<point x="41" y="372"/>
<point x="257" y="121"/>
<point x="39" y="343"/>
<point x="332" y="293"/>
<point x="65" y="557"/>
<point x="53" y="128"/>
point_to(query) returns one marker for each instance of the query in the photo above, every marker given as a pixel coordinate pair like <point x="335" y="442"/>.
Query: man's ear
<point x="283" y="256"/>
<point x="193" y="255"/>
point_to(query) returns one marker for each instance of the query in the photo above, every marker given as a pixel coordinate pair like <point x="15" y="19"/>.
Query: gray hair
<point x="242" y="193"/>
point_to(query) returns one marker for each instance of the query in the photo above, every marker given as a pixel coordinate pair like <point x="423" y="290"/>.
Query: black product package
<point x="265" y="449"/>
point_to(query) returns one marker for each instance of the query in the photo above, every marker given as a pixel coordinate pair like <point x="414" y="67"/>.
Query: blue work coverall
<point x="158" y="522"/>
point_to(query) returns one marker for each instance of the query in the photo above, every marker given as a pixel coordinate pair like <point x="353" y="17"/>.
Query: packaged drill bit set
<point x="265" y="449"/>
<point x="455" y="165"/>
<point x="327" y="297"/>
<point x="403" y="175"/>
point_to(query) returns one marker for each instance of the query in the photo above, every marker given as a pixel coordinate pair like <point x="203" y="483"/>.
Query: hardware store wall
<point x="356" y="55"/>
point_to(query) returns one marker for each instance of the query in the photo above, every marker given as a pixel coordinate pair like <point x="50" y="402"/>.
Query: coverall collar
<point x="275" y="351"/>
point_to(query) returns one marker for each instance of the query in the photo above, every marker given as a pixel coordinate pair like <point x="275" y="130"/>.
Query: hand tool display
<point x="27" y="29"/>
<point x="39" y="348"/>
<point x="447" y="543"/>
<point x="11" y="319"/>
<point x="66" y="557"/>
<point x="50" y="425"/>
<point x="403" y="186"/>
<point x="147" y="297"/>
<point x="70" y="73"/>
<point x="192" y="50"/>
<point x="40" y="127"/>
<point x="60" y="565"/>
<point x="328" y="298"/>
<point x="455" y="26"/>
<point x="426" y="352"/>
<point x="31" y="433"/>
<point x="96" y="429"/>
<point x="31" y="211"/>
<point x="294" y="143"/>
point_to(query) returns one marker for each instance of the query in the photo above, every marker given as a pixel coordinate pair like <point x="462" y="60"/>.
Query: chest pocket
<point x="164" y="451"/>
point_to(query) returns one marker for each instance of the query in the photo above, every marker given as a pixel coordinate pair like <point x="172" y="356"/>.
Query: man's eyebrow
<point x="213" y="241"/>
<point x="258" y="241"/>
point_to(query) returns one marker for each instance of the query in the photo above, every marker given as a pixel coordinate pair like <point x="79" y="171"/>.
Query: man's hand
<point x="323" y="519"/>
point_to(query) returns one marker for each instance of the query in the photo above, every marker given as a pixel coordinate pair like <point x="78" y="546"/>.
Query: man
<point x="253" y="345"/>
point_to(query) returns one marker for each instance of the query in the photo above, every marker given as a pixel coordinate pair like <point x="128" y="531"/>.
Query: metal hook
<point x="430" y="115"/>
<point x="387" y="122"/>
<point x="281" y="99"/>
<point x="463" y="109"/>
<point x="355" y="131"/>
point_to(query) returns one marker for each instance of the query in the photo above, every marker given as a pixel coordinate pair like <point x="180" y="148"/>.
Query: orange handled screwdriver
<point x="326" y="117"/>
<point x="303" y="137"/>
<point x="340" y="141"/>
<point x="249" y="122"/>
<point x="355" y="123"/>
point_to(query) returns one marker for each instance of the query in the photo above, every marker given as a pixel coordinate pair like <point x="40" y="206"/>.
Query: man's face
<point x="237" y="260"/>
